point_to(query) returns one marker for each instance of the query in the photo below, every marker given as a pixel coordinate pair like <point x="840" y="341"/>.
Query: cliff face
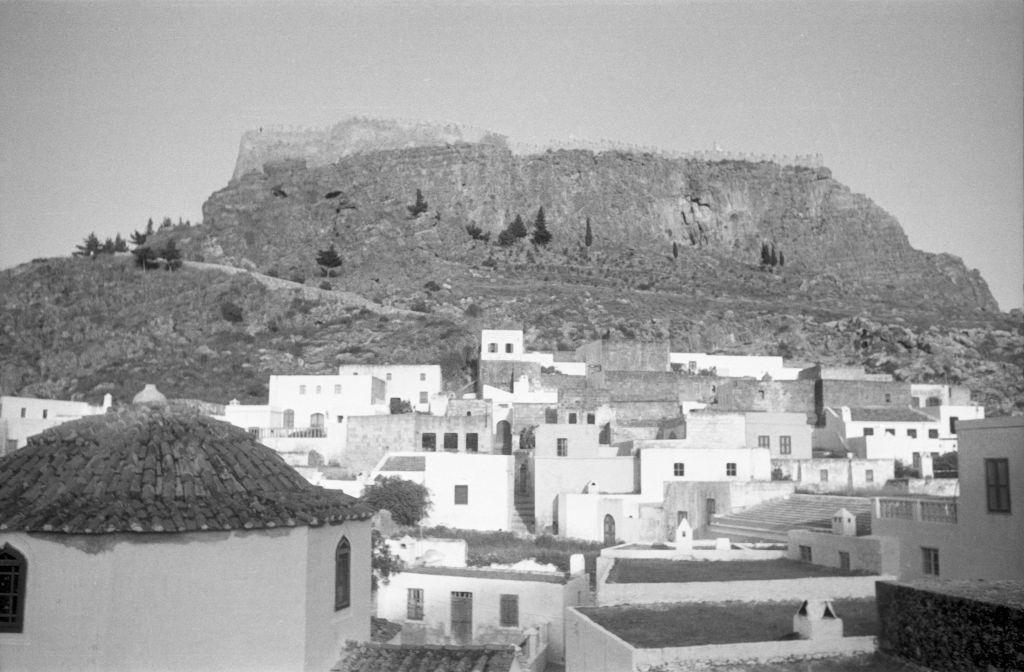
<point x="297" y="203"/>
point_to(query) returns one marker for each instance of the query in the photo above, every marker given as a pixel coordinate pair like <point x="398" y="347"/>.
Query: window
<point x="679" y="469"/>
<point x="492" y="347"/>
<point x="387" y="376"/>
<point x="764" y="441"/>
<point x="508" y="347"/>
<point x="869" y="476"/>
<point x="45" y="413"/>
<point x="550" y="416"/>
<point x="888" y="398"/>
<point x="997" y="484"/>
<point x="316" y="420"/>
<point x="414" y="604"/>
<point x="341" y="419"/>
<point x="572" y="418"/>
<point x="930" y="560"/>
<point x="423" y="397"/>
<point x="319" y="389"/>
<point x="562" y="447"/>
<point x="342" y="575"/>
<point x="933" y="433"/>
<point x="289" y="418"/>
<point x="760" y="394"/>
<point x="952" y="423"/>
<point x="451" y="441"/>
<point x="912" y="433"/>
<point x="510" y="611"/>
<point x="12" y="589"/>
<point x="890" y="431"/>
<point x="423" y="376"/>
<point x="730" y="468"/>
<point x="823" y="475"/>
<point x="786" y="445"/>
<point x="302" y="389"/>
<point x="472" y="442"/>
<point x="844" y="560"/>
<point x="591" y="418"/>
<point x="23" y="411"/>
<point x="805" y="553"/>
<point x="337" y="389"/>
<point x="462" y="494"/>
<point x="429" y="441"/>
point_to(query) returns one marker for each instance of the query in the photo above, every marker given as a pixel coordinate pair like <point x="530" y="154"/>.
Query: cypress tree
<point x="541" y="235"/>
<point x="675" y="250"/>
<point x="588" y="237"/>
<point x="774" y="260"/>
<point x="782" y="259"/>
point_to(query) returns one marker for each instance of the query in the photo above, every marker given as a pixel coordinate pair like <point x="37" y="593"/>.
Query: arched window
<point x="12" y="589"/>
<point x="289" y="419"/>
<point x="342" y="575"/>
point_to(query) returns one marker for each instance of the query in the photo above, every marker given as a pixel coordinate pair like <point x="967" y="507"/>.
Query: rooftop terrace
<point x="695" y="571"/>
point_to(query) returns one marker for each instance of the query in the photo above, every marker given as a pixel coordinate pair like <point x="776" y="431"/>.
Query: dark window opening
<point x="930" y="561"/>
<point x="451" y="441"/>
<point x="472" y="442"/>
<point x="679" y="469"/>
<point x="562" y="447"/>
<point x="13" y="577"/>
<point x="730" y="468"/>
<point x="342" y="575"/>
<point x="997" y="484"/>
<point x="785" y="445"/>
<point x="572" y="418"/>
<point x="429" y="441"/>
<point x="591" y="418"/>
<point x="510" y="611"/>
<point x="414" y="605"/>
<point x="550" y="416"/>
<point x="462" y="494"/>
<point x="764" y="441"/>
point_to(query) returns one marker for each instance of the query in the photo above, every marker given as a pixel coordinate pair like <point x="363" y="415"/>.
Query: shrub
<point x="407" y="501"/>
<point x="476" y="233"/>
<point x="231" y="312"/>
<point x="326" y="286"/>
<point x="419" y="207"/>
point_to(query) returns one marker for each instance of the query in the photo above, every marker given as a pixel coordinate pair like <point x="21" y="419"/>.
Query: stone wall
<point x="782" y="396"/>
<point x="842" y="473"/>
<point x="692" y="498"/>
<point x="648" y="356"/>
<point x="643" y="385"/>
<point x="865" y="393"/>
<point x="501" y="374"/>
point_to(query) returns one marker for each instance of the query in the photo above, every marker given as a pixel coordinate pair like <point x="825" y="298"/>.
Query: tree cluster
<point x="407" y="501"/>
<point x="517" y="229"/>
<point x="770" y="257"/>
<point x="149" y="257"/>
<point x="92" y="246"/>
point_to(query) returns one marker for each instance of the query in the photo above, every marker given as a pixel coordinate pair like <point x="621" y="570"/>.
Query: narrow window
<point x="462" y="494"/>
<point x="562" y="447"/>
<point x="13" y="576"/>
<point x="429" y="441"/>
<point x="492" y="347"/>
<point x="550" y="416"/>
<point x="760" y="394"/>
<point x="289" y="418"/>
<point x="591" y="419"/>
<point x="508" y="347"/>
<point x="302" y="389"/>
<point x="510" y="611"/>
<point x="342" y="575"/>
<point x="930" y="561"/>
<point x="423" y="397"/>
<point x="844" y="560"/>
<point x="823" y="475"/>
<point x="786" y="445"/>
<point x="679" y="469"/>
<point x="423" y="376"/>
<point x="912" y="433"/>
<point x="933" y="433"/>
<point x="888" y="398"/>
<point x="341" y="418"/>
<point x="316" y="420"/>
<point x="451" y="441"/>
<point x="764" y="441"/>
<point x="997" y="484"/>
<point x="319" y="389"/>
<point x="23" y="411"/>
<point x="572" y="418"/>
<point x="869" y="431"/>
<point x="730" y="468"/>
<point x="805" y="553"/>
<point x="472" y="442"/>
<point x="952" y="423"/>
<point x="414" y="605"/>
<point x="869" y="476"/>
<point x="337" y="389"/>
<point x="45" y="413"/>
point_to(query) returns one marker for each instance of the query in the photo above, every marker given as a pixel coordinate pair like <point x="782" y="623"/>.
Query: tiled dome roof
<point x="147" y="469"/>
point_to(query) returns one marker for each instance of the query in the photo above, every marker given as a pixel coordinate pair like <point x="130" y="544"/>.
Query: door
<point x="505" y="437"/>
<point x="609" y="531"/>
<point x="462" y="617"/>
<point x="710" y="508"/>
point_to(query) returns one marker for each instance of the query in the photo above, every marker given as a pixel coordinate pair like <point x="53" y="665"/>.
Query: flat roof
<point x="991" y="423"/>
<point x="491" y="573"/>
<point x="630" y="570"/>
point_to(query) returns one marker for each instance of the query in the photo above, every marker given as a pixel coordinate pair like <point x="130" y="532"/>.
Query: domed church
<point x="149" y="539"/>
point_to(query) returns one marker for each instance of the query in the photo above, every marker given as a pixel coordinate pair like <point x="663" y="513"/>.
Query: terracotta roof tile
<point x="157" y="470"/>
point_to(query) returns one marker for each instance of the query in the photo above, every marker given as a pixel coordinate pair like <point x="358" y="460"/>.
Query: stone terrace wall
<point x="781" y="396"/>
<point x="865" y="393"/>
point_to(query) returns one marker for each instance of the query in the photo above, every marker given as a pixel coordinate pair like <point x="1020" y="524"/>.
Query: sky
<point x="111" y="113"/>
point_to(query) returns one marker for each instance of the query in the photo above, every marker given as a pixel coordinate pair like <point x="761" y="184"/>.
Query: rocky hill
<point x="676" y="254"/>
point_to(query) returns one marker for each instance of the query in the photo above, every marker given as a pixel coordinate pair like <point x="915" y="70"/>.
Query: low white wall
<point x="771" y="590"/>
<point x="752" y="652"/>
<point x="694" y="554"/>
<point x="591" y="648"/>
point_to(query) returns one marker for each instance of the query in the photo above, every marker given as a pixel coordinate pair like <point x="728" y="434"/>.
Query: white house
<point x="734" y="366"/>
<point x="471" y="491"/>
<point x="414" y="383"/>
<point x="147" y="539"/>
<point x="22" y="417"/>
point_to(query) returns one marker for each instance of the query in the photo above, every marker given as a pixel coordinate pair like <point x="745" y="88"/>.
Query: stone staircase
<point x="772" y="520"/>
<point x="523" y="521"/>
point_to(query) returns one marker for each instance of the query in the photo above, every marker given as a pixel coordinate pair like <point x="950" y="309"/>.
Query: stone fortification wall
<point x="625" y="355"/>
<point x="643" y="386"/>
<point x="647" y="413"/>
<point x="780" y="396"/>
<point x="865" y="393"/>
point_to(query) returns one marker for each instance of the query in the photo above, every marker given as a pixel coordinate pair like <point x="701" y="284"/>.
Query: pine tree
<point x="512" y="232"/>
<point x="766" y="257"/>
<point x="171" y="255"/>
<point x="419" y="207"/>
<point x="328" y="260"/>
<point x="588" y="237"/>
<point x="774" y="259"/>
<point x="108" y="246"/>
<point x="119" y="244"/>
<point x="90" y="247"/>
<point x="541" y="235"/>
